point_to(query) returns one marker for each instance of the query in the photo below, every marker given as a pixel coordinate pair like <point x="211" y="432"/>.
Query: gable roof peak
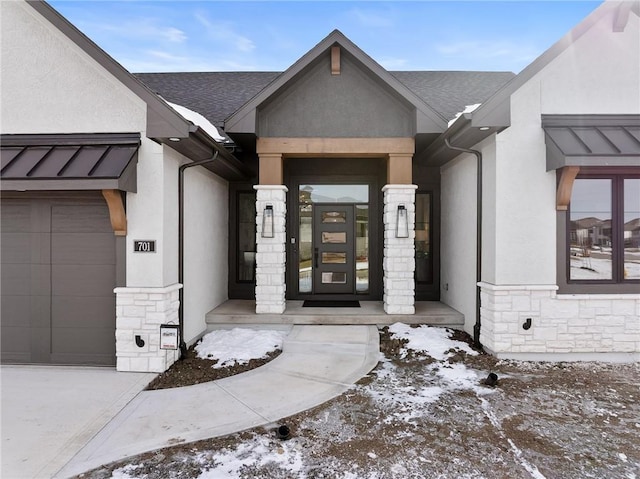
<point x="428" y="119"/>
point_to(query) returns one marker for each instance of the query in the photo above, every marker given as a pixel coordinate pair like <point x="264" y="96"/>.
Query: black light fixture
<point x="402" y="223"/>
<point x="267" y="222"/>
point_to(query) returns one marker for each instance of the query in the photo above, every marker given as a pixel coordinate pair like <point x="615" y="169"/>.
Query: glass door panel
<point x="362" y="248"/>
<point x="305" y="246"/>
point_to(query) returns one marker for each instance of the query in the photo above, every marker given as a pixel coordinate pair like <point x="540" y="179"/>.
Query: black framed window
<point x="423" y="241"/>
<point x="246" y="241"/>
<point x="603" y="229"/>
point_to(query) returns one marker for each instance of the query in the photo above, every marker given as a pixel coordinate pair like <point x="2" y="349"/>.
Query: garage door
<point x="58" y="273"/>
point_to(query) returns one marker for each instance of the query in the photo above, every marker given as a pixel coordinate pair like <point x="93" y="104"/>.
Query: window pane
<point x="334" y="193"/>
<point x="334" y="217"/>
<point x="362" y="249"/>
<point x="632" y="229"/>
<point x="334" y="238"/>
<point x="334" y="258"/>
<point x="423" y="240"/>
<point x="246" y="236"/>
<point x="304" y="249"/>
<point x="590" y="238"/>
<point x="334" y="278"/>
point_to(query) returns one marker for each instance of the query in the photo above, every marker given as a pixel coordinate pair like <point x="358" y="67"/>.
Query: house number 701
<point x="144" y="246"/>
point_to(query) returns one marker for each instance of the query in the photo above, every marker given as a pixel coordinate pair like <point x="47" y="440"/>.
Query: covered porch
<point x="239" y="312"/>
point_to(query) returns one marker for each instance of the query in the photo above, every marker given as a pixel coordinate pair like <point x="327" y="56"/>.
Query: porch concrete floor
<point x="242" y="312"/>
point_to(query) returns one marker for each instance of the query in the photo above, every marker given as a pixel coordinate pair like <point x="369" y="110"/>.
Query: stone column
<point x="271" y="252"/>
<point x="140" y="312"/>
<point x="399" y="253"/>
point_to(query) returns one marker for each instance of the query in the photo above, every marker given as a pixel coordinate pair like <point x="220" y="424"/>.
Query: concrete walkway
<point x="317" y="363"/>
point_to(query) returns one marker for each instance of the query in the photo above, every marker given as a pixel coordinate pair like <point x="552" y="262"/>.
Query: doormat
<point x="311" y="303"/>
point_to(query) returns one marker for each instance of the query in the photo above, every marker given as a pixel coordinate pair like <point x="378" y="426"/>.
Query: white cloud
<point x="140" y="30"/>
<point x="174" y="35"/>
<point x="149" y="61"/>
<point x="224" y="32"/>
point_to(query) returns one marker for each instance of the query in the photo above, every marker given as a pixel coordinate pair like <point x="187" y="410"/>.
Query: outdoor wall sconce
<point x="267" y="222"/>
<point x="139" y="341"/>
<point x="527" y="324"/>
<point x="402" y="223"/>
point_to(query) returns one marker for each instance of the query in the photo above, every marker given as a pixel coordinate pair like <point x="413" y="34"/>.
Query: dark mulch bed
<point x="192" y="370"/>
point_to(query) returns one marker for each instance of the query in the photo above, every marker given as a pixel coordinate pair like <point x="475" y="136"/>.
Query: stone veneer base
<point x="140" y="312"/>
<point x="563" y="327"/>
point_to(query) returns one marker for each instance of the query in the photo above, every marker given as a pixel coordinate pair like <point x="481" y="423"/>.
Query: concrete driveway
<point x="49" y="413"/>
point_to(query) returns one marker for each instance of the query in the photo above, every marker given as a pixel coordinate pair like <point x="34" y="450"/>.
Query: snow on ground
<point x="238" y="345"/>
<point x="435" y="342"/>
<point x="426" y="413"/>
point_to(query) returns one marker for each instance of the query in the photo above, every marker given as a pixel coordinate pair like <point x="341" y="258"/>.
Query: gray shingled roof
<point x="449" y="92"/>
<point x="217" y="95"/>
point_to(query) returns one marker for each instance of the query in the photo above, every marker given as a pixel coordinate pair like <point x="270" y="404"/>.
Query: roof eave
<point x="463" y="134"/>
<point x="199" y="145"/>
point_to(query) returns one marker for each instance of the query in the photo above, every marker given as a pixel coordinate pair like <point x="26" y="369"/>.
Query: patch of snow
<point x="123" y="472"/>
<point x="199" y="120"/>
<point x="435" y="342"/>
<point x="238" y="345"/>
<point x="622" y="456"/>
<point x="467" y="109"/>
<point x="260" y="451"/>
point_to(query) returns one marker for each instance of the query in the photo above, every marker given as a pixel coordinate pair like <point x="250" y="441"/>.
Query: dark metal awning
<point x="592" y="140"/>
<point x="69" y="162"/>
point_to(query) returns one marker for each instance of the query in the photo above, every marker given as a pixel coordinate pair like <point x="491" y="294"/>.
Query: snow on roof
<point x="467" y="109"/>
<point x="198" y="120"/>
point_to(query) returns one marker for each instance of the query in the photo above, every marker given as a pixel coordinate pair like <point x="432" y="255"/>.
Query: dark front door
<point x="334" y="269"/>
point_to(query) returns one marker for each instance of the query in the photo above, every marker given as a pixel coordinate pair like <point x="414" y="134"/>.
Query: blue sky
<point x="156" y="36"/>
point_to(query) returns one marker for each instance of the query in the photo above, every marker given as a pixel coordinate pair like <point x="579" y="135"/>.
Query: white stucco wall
<point x="49" y="85"/>
<point x="598" y="74"/>
<point x="458" y="237"/>
<point x="152" y="214"/>
<point x="206" y="247"/>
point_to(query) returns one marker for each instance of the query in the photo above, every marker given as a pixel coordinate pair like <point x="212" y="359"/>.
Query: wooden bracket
<point x="335" y="60"/>
<point x="116" y="211"/>
<point x="563" y="196"/>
